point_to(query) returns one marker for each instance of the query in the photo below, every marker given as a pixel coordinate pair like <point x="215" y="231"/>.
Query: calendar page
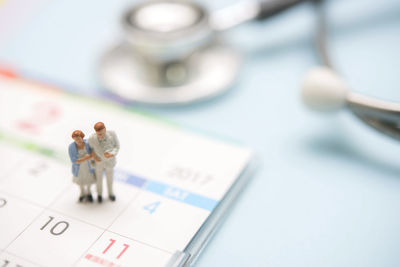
<point x="172" y="186"/>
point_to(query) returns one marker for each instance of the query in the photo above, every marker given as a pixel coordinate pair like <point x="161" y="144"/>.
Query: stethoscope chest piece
<point x="170" y="55"/>
<point x="172" y="51"/>
<point x="207" y="73"/>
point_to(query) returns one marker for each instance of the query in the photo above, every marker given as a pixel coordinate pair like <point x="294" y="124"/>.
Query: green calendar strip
<point x="30" y="146"/>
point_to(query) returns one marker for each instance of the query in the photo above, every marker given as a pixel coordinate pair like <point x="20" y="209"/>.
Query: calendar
<point x="173" y="186"/>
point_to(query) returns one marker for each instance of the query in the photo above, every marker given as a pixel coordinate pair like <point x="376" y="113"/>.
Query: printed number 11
<point x="112" y="241"/>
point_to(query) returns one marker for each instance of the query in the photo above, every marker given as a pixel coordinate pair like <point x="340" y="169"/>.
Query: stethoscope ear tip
<point x="323" y="90"/>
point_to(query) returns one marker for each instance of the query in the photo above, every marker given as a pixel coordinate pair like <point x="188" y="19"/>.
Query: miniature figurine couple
<point x="91" y="158"/>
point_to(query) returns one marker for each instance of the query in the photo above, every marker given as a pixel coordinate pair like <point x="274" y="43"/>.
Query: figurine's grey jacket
<point x="111" y="141"/>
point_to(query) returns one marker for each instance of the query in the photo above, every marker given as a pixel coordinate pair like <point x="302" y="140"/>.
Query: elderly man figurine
<point x="105" y="147"/>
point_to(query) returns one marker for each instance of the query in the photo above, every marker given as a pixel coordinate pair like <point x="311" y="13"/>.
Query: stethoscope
<point x="173" y="53"/>
<point x="324" y="90"/>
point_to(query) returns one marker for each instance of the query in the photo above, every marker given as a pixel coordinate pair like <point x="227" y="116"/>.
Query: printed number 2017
<point x="62" y="227"/>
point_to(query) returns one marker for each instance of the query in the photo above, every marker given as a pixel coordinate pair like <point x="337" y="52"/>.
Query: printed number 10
<point x="63" y="226"/>
<point x="112" y="241"/>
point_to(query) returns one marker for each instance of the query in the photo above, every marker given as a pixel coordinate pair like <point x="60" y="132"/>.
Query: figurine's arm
<point x="94" y="156"/>
<point x="84" y="158"/>
<point x="91" y="150"/>
<point x="115" y="151"/>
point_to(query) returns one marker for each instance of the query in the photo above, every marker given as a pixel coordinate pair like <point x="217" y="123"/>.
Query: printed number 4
<point x="152" y="207"/>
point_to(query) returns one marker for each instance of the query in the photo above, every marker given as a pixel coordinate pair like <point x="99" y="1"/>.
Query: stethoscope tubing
<point x="381" y="115"/>
<point x="244" y="11"/>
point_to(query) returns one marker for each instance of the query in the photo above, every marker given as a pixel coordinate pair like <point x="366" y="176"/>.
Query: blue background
<point x="328" y="193"/>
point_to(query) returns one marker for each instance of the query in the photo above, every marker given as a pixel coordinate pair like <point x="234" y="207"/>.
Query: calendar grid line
<point x="154" y="186"/>
<point x="33" y="220"/>
<point x="141" y="242"/>
<point x="77" y="219"/>
<point x="108" y="228"/>
<point x="10" y="171"/>
<point x="105" y="230"/>
<point x="127" y="179"/>
<point x="49" y="208"/>
<point x="83" y="221"/>
<point x="30" y="201"/>
<point x="53" y="210"/>
<point x="130" y="203"/>
<point x="25" y="259"/>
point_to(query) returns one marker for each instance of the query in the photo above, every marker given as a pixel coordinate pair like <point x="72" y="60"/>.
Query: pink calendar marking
<point x="112" y="241"/>
<point x="101" y="261"/>
<point x="43" y="114"/>
<point x="123" y="251"/>
<point x="108" y="247"/>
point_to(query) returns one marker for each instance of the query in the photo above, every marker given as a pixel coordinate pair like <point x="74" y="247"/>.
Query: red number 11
<point x="112" y="241"/>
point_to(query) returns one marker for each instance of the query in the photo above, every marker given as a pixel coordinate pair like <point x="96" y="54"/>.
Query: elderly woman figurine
<point x="83" y="174"/>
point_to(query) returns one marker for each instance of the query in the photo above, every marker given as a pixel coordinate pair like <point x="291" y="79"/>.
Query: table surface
<point x="328" y="190"/>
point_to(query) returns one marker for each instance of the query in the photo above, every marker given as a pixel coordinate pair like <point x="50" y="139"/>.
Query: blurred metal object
<point x="324" y="89"/>
<point x="173" y="52"/>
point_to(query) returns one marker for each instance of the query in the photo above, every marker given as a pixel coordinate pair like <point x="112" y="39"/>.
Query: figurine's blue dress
<point x="82" y="173"/>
